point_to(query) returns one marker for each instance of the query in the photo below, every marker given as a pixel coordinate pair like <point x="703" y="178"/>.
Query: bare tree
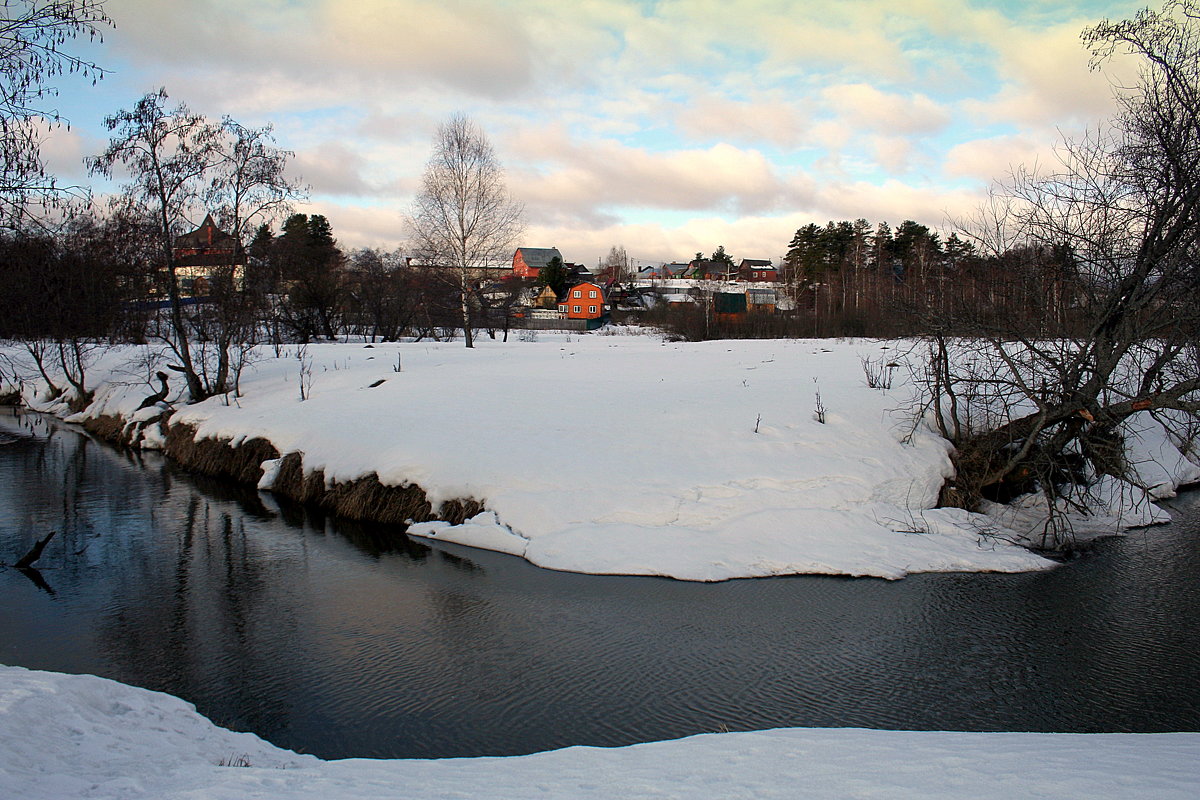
<point x="616" y="266"/>
<point x="33" y="35"/>
<point x="464" y="220"/>
<point x="248" y="185"/>
<point x="177" y="160"/>
<point x="1124" y="204"/>
<point x="64" y="296"/>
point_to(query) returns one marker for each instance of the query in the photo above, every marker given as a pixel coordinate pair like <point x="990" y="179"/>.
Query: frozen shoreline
<point x="630" y="455"/>
<point x="82" y="736"/>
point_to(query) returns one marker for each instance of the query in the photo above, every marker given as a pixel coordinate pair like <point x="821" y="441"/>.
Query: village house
<point x="202" y="254"/>
<point x="757" y="270"/>
<point x="544" y="298"/>
<point x="662" y="273"/>
<point x="585" y="301"/>
<point x="528" y="261"/>
<point x="710" y="270"/>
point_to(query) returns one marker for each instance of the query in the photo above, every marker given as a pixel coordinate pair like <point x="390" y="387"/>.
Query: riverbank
<point x="79" y="735"/>
<point x="608" y="454"/>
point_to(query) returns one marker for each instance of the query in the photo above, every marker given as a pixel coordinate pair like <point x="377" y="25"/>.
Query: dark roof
<point x="579" y="272"/>
<point x="756" y="262"/>
<point x="208" y="235"/>
<point x="709" y="266"/>
<point x="538" y="257"/>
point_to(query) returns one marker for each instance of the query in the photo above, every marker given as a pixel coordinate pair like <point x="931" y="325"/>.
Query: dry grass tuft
<point x="217" y="457"/>
<point x="364" y="499"/>
<point x="109" y="428"/>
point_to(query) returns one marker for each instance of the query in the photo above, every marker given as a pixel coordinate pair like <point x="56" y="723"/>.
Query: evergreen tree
<point x="805" y="253"/>
<point x="259" y="274"/>
<point x="320" y="232"/>
<point x="554" y="275"/>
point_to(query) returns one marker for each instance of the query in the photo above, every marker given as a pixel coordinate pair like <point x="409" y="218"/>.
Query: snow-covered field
<point x="79" y="736"/>
<point x="631" y="455"/>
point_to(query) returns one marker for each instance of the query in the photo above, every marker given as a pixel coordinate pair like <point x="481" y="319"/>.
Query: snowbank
<point x="626" y="454"/>
<point x="80" y="736"/>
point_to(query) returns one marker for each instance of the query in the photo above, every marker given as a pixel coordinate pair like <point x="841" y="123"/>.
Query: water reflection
<point x="348" y="639"/>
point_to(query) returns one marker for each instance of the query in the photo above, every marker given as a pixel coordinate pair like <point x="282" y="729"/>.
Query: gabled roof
<point x="580" y="273"/>
<point x="538" y="257"/>
<point x="756" y="263"/>
<point x="208" y="235"/>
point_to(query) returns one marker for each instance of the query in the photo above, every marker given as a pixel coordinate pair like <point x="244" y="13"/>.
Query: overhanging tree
<point x="463" y="219"/>
<point x="1124" y="203"/>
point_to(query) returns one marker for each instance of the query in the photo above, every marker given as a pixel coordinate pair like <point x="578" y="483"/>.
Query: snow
<point x="632" y="455"/>
<point x="79" y="736"/>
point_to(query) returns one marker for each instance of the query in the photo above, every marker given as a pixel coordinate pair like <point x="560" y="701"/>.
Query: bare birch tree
<point x="463" y="219"/>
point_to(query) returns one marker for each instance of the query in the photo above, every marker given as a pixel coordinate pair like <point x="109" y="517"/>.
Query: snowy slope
<point x="79" y="736"/>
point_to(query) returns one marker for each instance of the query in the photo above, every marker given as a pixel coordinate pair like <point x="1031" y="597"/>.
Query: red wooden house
<point x="528" y="261"/>
<point x="753" y="269"/>
<point x="584" y="301"/>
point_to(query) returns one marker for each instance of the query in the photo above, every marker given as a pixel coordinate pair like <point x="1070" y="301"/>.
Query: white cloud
<point x="63" y="150"/>
<point x="995" y="157"/>
<point x="1046" y="80"/>
<point x="562" y="172"/>
<point x="774" y="122"/>
<point x="865" y="107"/>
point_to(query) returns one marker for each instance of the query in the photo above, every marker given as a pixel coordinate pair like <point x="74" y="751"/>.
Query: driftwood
<point x="35" y="552"/>
<point x="158" y="396"/>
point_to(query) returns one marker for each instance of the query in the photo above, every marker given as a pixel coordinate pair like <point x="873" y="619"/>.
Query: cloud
<point x="850" y="49"/>
<point x="994" y="158"/>
<point x="773" y="122"/>
<point x="865" y="107"/>
<point x="356" y="225"/>
<point x="325" y="45"/>
<point x="670" y="126"/>
<point x="749" y="237"/>
<point x="63" y="150"/>
<point x="894" y="201"/>
<point x="1046" y="80"/>
<point x="561" y="172"/>
<point x="332" y="169"/>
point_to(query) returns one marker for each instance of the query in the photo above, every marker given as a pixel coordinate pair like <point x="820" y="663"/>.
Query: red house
<point x="585" y="301"/>
<point x="752" y="269"/>
<point x="528" y="261"/>
<point x="204" y="253"/>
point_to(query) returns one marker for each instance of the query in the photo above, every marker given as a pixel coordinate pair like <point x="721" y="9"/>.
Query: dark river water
<point x="349" y="640"/>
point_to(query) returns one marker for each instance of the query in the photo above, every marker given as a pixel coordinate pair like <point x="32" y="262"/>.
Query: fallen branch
<point x="35" y="553"/>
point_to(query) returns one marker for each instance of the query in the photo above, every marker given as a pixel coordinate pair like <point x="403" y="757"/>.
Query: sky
<point x="668" y="127"/>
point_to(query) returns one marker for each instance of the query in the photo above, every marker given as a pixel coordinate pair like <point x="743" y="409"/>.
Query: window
<point x="577" y="293"/>
<point x="575" y="309"/>
<point x="591" y="309"/>
<point x="592" y="293"/>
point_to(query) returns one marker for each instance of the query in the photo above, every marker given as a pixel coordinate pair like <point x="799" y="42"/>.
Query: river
<point x="342" y="639"/>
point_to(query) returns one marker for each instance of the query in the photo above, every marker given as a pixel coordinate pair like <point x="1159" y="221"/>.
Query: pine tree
<point x="554" y="275"/>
